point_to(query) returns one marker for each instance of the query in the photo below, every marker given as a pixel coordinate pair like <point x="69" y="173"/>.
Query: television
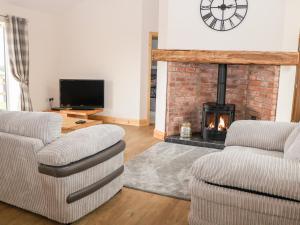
<point x="81" y="94"/>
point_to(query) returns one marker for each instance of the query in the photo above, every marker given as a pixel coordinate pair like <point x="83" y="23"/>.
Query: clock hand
<point x="230" y="6"/>
<point x="223" y="7"/>
<point x="223" y="15"/>
<point x="217" y="7"/>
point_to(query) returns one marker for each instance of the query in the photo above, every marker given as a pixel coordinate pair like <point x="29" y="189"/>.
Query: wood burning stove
<point x="216" y="120"/>
<point x="218" y="116"/>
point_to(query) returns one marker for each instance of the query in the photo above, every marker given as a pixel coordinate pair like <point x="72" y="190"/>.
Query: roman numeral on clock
<point x="207" y="16"/>
<point x="206" y="7"/>
<point x="213" y="23"/>
<point x="222" y="27"/>
<point x="231" y="23"/>
<point x="239" y="16"/>
<point x="241" y="6"/>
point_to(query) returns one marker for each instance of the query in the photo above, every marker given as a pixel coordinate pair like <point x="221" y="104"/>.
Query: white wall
<point x="287" y="74"/>
<point x="149" y="24"/>
<point x="108" y="40"/>
<point x="162" y="69"/>
<point x="261" y="30"/>
<point x="93" y="39"/>
<point x="43" y="52"/>
<point x="270" y="25"/>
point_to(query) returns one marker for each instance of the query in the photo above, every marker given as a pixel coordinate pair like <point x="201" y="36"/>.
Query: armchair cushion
<point x="255" y="150"/>
<point x="250" y="172"/>
<point x="39" y="125"/>
<point x="291" y="139"/>
<point x="80" y="144"/>
<point x="265" y="135"/>
<point x="293" y="152"/>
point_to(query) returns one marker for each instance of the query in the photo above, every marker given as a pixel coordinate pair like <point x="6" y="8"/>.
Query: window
<point x="3" y="92"/>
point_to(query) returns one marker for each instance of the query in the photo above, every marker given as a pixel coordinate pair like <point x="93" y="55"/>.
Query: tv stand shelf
<point x="80" y="113"/>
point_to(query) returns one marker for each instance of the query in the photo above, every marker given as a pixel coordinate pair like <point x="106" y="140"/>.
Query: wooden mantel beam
<point x="226" y="57"/>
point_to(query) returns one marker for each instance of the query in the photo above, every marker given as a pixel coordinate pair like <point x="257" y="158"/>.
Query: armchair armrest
<point x="80" y="144"/>
<point x="265" y="135"/>
<point x="250" y="172"/>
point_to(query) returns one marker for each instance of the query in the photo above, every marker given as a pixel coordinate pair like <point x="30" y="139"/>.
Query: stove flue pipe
<point x="222" y="78"/>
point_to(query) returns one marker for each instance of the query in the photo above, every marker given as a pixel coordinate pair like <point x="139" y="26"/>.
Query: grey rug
<point x="164" y="169"/>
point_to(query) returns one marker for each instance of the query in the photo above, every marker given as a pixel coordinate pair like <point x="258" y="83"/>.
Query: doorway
<point x="152" y="78"/>
<point x="296" y="103"/>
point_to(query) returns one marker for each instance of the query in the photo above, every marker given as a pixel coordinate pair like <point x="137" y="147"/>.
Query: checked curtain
<point x="18" y="47"/>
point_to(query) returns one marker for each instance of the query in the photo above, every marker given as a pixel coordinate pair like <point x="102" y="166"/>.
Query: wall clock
<point x="223" y="15"/>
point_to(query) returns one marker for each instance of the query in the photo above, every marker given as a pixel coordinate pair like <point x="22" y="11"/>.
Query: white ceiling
<point x="50" y="6"/>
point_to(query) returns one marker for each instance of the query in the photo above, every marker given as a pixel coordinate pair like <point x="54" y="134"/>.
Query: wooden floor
<point x="129" y="207"/>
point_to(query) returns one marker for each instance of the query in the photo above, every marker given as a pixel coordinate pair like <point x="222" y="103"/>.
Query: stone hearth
<point x="252" y="88"/>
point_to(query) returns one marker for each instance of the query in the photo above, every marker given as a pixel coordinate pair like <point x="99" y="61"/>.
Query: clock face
<point x="223" y="15"/>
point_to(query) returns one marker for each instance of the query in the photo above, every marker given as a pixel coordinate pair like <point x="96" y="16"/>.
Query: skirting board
<point x="159" y="135"/>
<point x="122" y="121"/>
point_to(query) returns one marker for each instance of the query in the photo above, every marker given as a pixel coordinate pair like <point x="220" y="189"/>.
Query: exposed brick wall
<point x="253" y="89"/>
<point x="262" y="92"/>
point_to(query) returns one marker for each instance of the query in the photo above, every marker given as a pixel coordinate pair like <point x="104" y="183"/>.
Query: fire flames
<point x="221" y="126"/>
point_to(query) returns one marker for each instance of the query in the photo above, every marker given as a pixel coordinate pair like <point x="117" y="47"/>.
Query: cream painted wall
<point x="261" y="30"/>
<point x="43" y="54"/>
<point x="108" y="40"/>
<point x="287" y="74"/>
<point x="150" y="24"/>
<point x="94" y="39"/>
<point x="271" y="25"/>
<point x="101" y="40"/>
<point x="161" y="91"/>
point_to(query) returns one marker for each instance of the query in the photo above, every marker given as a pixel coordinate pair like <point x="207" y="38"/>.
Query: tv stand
<point x="80" y="113"/>
<point x="82" y="108"/>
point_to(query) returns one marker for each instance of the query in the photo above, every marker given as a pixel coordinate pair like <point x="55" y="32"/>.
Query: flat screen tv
<point x="81" y="94"/>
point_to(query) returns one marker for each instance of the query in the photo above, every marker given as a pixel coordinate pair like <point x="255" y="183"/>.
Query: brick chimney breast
<point x="252" y="88"/>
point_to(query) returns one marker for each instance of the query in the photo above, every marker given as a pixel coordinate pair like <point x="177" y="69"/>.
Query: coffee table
<point x="69" y="124"/>
<point x="70" y="117"/>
